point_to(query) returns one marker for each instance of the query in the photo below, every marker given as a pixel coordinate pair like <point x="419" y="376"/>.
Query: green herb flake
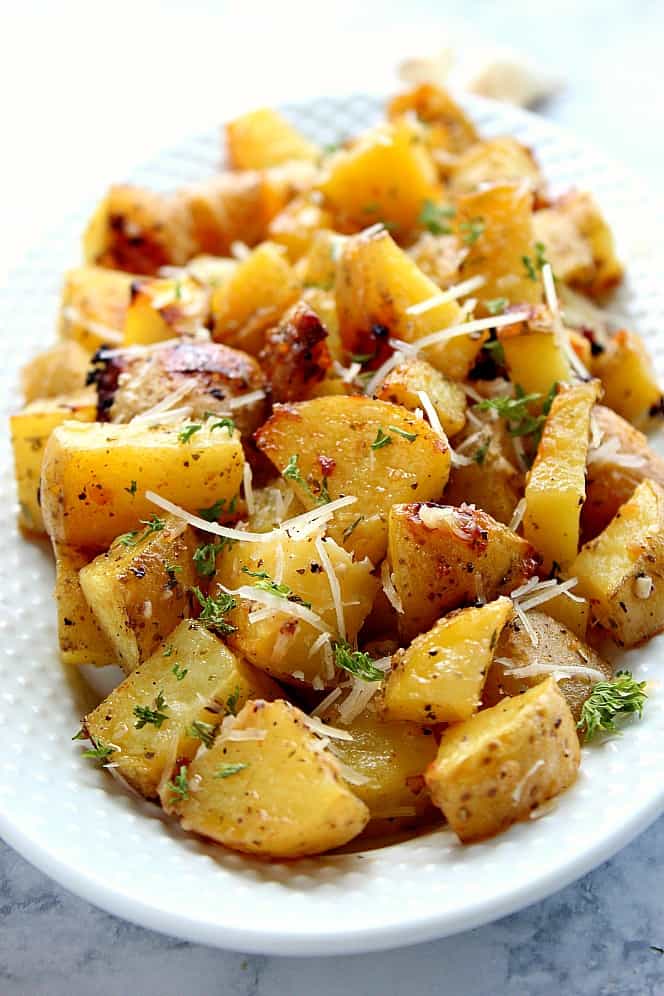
<point x="471" y="230"/>
<point x="205" y="557"/>
<point x="128" y="539"/>
<point x="204" y="732"/>
<point x="480" y="453"/>
<point x="168" y="650"/>
<point x="495" y="351"/>
<point x="361" y="357"/>
<point x="382" y="439"/>
<point x="532" y="266"/>
<point x="226" y="770"/>
<point x="155" y="716"/>
<point x="100" y="751"/>
<point x="497" y="305"/>
<point x="131" y="490"/>
<point x="81" y="735"/>
<point x="212" y="513"/>
<point x="265" y="583"/>
<point x="291" y="472"/>
<point x="356" y="662"/>
<point x="188" y="432"/>
<point x="224" y="423"/>
<point x="180" y="672"/>
<point x="520" y="422"/>
<point x="410" y="436"/>
<point x="232" y="701"/>
<point x="434" y="217"/>
<point x="179" y="787"/>
<point x="153" y="525"/>
<point x="214" y="610"/>
<point x="610" y="701"/>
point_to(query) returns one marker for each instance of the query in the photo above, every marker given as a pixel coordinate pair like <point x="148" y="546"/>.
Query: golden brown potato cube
<point x="61" y="369"/>
<point x="403" y="384"/>
<point x="386" y="175"/>
<point x="295" y="355"/>
<point x="265" y="138"/>
<point x="226" y="208"/>
<point x="281" y="642"/>
<point x="81" y="638"/>
<point x="164" y="308"/>
<point x="615" y="469"/>
<point x="495" y="160"/>
<point x="279" y="795"/>
<point x="440" y="676"/>
<point x="443" y="558"/>
<point x="173" y="702"/>
<point x="319" y="267"/>
<point x="499" y="766"/>
<point x="621" y="571"/>
<point x="338" y="446"/>
<point x="439" y="257"/>
<point x="491" y="481"/>
<point x="138" y="231"/>
<point x="254" y="298"/>
<point x="534" y="354"/>
<point x="141" y="589"/>
<point x="629" y="379"/>
<point x="377" y="286"/>
<point x="564" y="253"/>
<point x="495" y="223"/>
<point x="93" y="306"/>
<point x="573" y="613"/>
<point x="94" y="476"/>
<point x="518" y="664"/>
<point x="556" y="485"/>
<point x="449" y="129"/>
<point x="30" y="432"/>
<point x="389" y="759"/>
<point x="297" y="224"/>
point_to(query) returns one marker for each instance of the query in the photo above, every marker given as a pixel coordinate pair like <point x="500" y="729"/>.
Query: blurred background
<point x="92" y="89"/>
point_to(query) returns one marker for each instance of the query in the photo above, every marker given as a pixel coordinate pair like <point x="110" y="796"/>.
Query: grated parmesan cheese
<point x="335" y="588"/>
<point x="391" y="593"/>
<point x="643" y="586"/>
<point x="323" y="730"/>
<point x="247" y="478"/>
<point x="451" y="294"/>
<point x="517" y="515"/>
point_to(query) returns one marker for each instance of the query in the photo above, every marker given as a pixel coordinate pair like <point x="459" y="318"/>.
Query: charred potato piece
<point x="449" y="129"/>
<point x="495" y="160"/>
<point x="443" y="558"/>
<point x="173" y="702"/>
<point x="403" y="384"/>
<point x="81" y="638"/>
<point x="140" y="589"/>
<point x="280" y="795"/>
<point x="558" y="651"/>
<point x="265" y="138"/>
<point x="499" y="766"/>
<point x="336" y="446"/>
<point x="295" y="356"/>
<point x="621" y="571"/>
<point x="164" y="308"/>
<point x="629" y="379"/>
<point x="440" y="676"/>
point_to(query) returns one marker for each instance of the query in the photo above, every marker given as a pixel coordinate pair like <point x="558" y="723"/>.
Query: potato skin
<point x="295" y="355"/>
<point x="288" y="799"/>
<point x="81" y="638"/>
<point x="557" y="645"/>
<point x="498" y="767"/>
<point x="443" y="558"/>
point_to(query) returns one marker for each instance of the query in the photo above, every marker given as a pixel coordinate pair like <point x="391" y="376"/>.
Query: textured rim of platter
<point x="80" y="827"/>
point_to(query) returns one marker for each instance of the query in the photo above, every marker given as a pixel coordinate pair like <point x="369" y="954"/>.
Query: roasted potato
<point x="94" y="476"/>
<point x="163" y="308"/>
<point x="629" y="379"/>
<point x="336" y="446"/>
<point x="449" y="130"/>
<point x="296" y="226"/>
<point x="443" y="558"/>
<point x="518" y="664"/>
<point x="499" y="766"/>
<point x="621" y="571"/>
<point x="265" y="138"/>
<point x="556" y="484"/>
<point x="280" y="795"/>
<point x="440" y="676"/>
<point x="81" y="638"/>
<point x="403" y="385"/>
<point x="170" y="704"/>
<point x="141" y="588"/>
<point x="534" y="354"/>
<point x="93" y="306"/>
<point x="439" y="257"/>
<point x="295" y="355"/>
<point x="495" y="160"/>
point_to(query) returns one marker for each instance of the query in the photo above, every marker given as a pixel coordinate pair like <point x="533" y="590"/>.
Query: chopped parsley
<point x="382" y="439"/>
<point x="156" y="716"/>
<point x="265" y="583"/>
<point x="205" y="732"/>
<point x="410" y="436"/>
<point x="180" y="672"/>
<point x="356" y="662"/>
<point x="291" y="472"/>
<point x="168" y="650"/>
<point x="226" y="770"/>
<point x="480" y="453"/>
<point x="214" y="610"/>
<point x="185" y="435"/>
<point x="532" y="266"/>
<point x="212" y="513"/>
<point x="224" y="423"/>
<point x="435" y="217"/>
<point x="497" y="305"/>
<point x="100" y="751"/>
<point x="153" y="525"/>
<point x="205" y="557"/>
<point x="179" y="787"/>
<point x="232" y="701"/>
<point x="520" y="422"/>
<point x="131" y="490"/>
<point x="495" y="350"/>
<point x="128" y="539"/>
<point x="471" y="230"/>
<point x="610" y="701"/>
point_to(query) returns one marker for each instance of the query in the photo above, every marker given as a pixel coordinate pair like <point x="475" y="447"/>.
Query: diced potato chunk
<point x="93" y="306"/>
<point x="141" y="589"/>
<point x="338" y="443"/>
<point x="443" y="558"/>
<point x="386" y="175"/>
<point x="280" y="795"/>
<point x="390" y="758"/>
<point x="62" y="369"/>
<point x="629" y="379"/>
<point x="163" y="308"/>
<point x="196" y="680"/>
<point x="612" y="479"/>
<point x="296" y="226"/>
<point x="558" y="651"/>
<point x="494" y="161"/>
<point x="377" y="285"/>
<point x="272" y="504"/>
<point x="87" y="490"/>
<point x="81" y="638"/>
<point x="565" y="247"/>
<point x="253" y="298"/>
<point x="295" y="356"/>
<point x="534" y="354"/>
<point x="621" y="572"/>
<point x="439" y="257"/>
<point x="556" y="486"/>
<point x="30" y="432"/>
<point x="449" y="129"/>
<point x="282" y="643"/>
<point x="499" y="766"/>
<point x="403" y="384"/>
<point x="440" y="676"/>
<point x="496" y="225"/>
<point x="265" y="138"/>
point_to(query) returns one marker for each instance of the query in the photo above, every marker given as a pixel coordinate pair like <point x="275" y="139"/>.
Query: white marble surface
<point x="139" y="76"/>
